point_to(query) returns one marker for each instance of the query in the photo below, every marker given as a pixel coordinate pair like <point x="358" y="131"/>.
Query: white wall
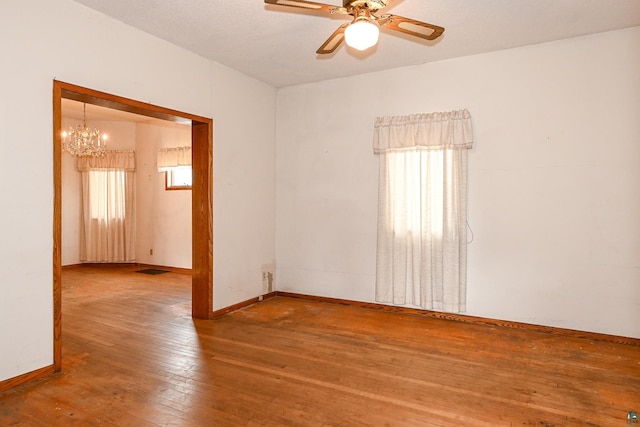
<point x="60" y="39"/>
<point x="554" y="199"/>
<point x="244" y="185"/>
<point x="163" y="218"/>
<point x="71" y="204"/>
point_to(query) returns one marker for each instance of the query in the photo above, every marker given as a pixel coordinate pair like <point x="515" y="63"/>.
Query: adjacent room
<point x="439" y="229"/>
<point x="156" y="230"/>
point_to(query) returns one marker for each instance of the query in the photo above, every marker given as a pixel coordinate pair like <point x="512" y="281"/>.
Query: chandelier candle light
<point x="83" y="140"/>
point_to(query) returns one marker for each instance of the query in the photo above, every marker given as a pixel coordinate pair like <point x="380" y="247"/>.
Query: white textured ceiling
<point x="277" y="44"/>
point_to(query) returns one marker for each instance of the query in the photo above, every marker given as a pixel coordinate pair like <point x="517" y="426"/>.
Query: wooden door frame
<point x="202" y="197"/>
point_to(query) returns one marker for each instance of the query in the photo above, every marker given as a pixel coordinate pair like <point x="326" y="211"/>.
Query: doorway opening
<point x="202" y="197"/>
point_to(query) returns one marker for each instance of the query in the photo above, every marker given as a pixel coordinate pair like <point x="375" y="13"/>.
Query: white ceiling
<point x="76" y="110"/>
<point x="277" y="44"/>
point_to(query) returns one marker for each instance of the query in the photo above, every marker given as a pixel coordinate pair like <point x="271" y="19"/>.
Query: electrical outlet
<point x="265" y="282"/>
<point x="267" y="278"/>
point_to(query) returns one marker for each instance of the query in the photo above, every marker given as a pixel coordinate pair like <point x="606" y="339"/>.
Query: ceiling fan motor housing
<point x="369" y="4"/>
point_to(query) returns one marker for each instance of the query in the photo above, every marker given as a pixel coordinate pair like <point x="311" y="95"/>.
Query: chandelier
<point x="83" y="140"/>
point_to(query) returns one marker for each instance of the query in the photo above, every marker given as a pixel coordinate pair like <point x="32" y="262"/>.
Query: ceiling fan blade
<point x="309" y="5"/>
<point x="333" y="41"/>
<point x="411" y="26"/>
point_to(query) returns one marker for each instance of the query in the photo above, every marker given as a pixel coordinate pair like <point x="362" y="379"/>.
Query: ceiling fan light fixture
<point x="363" y="31"/>
<point x="362" y="34"/>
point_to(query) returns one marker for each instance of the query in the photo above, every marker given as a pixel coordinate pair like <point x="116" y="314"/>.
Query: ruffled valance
<point x="110" y="160"/>
<point x="174" y="157"/>
<point x="423" y="131"/>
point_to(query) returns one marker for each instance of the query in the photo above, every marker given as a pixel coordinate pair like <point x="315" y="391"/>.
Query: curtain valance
<point x="110" y="160"/>
<point x="173" y="157"/>
<point x="448" y="130"/>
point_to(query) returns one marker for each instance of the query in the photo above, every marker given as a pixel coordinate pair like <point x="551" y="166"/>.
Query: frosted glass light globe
<point x="362" y="34"/>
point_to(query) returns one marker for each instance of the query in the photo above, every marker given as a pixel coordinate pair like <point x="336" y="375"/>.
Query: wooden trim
<point x="202" y="219"/>
<point x="57" y="227"/>
<point x="202" y="213"/>
<point x="115" y="102"/>
<point x="101" y="265"/>
<point x="595" y="336"/>
<point x="38" y="374"/>
<point x="242" y="304"/>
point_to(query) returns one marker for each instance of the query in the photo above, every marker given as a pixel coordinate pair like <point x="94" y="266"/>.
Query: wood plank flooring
<point x="132" y="356"/>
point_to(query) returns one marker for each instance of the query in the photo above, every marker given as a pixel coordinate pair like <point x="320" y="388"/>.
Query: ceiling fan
<point x="362" y="33"/>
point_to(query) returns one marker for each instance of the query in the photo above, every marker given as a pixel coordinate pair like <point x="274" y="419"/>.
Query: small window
<point x="179" y="179"/>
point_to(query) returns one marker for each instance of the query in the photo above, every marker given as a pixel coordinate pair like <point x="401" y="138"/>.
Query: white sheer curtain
<point x="422" y="209"/>
<point x="107" y="229"/>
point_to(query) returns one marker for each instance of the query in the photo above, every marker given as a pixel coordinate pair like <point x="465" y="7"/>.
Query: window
<point x="107" y="217"/>
<point x="422" y="209"/>
<point x="416" y="184"/>
<point x="179" y="178"/>
<point x="175" y="162"/>
<point x="106" y="190"/>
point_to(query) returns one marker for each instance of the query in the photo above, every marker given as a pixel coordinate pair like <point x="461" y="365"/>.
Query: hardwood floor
<point x="132" y="356"/>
